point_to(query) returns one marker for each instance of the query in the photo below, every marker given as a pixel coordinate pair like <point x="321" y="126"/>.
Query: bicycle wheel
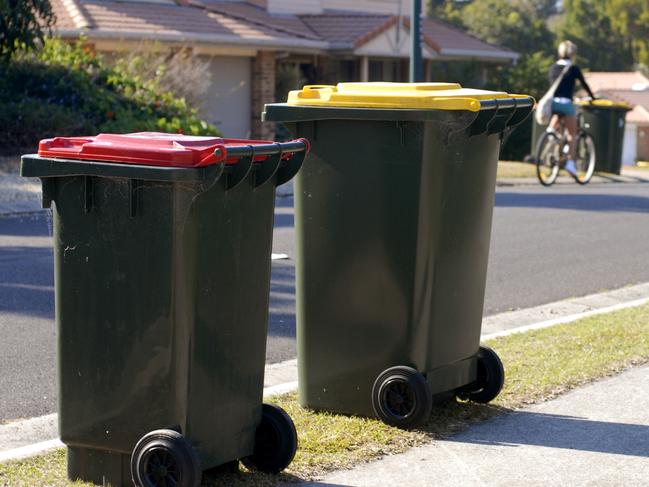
<point x="548" y="154"/>
<point x="585" y="158"/>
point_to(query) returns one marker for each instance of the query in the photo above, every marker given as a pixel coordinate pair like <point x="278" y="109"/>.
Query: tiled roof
<point x="601" y="80"/>
<point x="347" y="30"/>
<point x="442" y="37"/>
<point x="252" y="24"/>
<point x="166" y="20"/>
<point x="288" y="24"/>
<point x="68" y="14"/>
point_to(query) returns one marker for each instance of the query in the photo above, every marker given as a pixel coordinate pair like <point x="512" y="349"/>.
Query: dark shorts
<point x="563" y="106"/>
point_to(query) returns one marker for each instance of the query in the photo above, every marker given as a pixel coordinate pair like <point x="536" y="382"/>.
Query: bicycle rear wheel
<point x="548" y="155"/>
<point x="585" y="158"/>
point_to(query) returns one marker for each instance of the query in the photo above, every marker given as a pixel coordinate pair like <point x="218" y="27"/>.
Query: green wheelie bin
<point x="162" y="256"/>
<point x="393" y="212"/>
<point x="605" y="121"/>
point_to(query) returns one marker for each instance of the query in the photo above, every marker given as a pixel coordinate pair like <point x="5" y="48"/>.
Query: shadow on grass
<point x="218" y="478"/>
<point x="448" y="418"/>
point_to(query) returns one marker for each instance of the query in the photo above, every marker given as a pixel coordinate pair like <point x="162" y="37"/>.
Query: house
<point x="631" y="88"/>
<point x="247" y="41"/>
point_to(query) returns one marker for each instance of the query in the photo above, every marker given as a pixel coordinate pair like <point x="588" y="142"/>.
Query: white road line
<point x="30" y="450"/>
<point x="566" y="319"/>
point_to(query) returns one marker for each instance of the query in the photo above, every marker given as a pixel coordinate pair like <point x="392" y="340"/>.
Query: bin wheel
<point x="275" y="441"/>
<point x="490" y="381"/>
<point x="401" y="397"/>
<point x="165" y="457"/>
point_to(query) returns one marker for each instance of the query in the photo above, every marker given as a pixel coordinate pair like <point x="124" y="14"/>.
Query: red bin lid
<point x="145" y="148"/>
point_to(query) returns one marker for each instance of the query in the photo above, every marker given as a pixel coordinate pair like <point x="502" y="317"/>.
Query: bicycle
<point x="552" y="152"/>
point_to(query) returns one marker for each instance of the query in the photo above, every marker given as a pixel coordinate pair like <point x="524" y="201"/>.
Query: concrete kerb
<point x="281" y="378"/>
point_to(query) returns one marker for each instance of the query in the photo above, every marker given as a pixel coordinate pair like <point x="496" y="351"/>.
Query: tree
<point x="511" y="23"/>
<point x="22" y="24"/>
<point x="630" y="19"/>
<point x="588" y="24"/>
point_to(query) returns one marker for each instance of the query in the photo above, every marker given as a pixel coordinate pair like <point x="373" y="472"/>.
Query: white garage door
<point x="629" y="151"/>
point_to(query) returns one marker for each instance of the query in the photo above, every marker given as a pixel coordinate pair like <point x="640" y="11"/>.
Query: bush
<point x="179" y="71"/>
<point x="65" y="90"/>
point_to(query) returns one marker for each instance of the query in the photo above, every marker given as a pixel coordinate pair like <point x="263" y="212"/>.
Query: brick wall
<point x="643" y="144"/>
<point x="262" y="91"/>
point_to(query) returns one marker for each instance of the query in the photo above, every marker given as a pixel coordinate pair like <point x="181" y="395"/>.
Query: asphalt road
<point x="547" y="244"/>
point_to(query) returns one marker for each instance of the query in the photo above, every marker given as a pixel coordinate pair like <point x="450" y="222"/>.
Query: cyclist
<point x="562" y="105"/>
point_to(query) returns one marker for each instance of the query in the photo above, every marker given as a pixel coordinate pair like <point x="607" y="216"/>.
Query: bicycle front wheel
<point x="585" y="158"/>
<point x="548" y="154"/>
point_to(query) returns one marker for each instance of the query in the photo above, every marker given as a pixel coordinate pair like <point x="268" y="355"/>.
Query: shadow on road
<point x="36" y="225"/>
<point x="282" y="300"/>
<point x="566" y="432"/>
<point x="27" y="281"/>
<point x="582" y="202"/>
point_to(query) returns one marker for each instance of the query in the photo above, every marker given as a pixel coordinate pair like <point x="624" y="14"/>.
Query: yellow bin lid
<point x="601" y="102"/>
<point x="426" y="96"/>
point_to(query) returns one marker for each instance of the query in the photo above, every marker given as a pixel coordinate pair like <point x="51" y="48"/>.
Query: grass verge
<point x="540" y="365"/>
<point x="511" y="169"/>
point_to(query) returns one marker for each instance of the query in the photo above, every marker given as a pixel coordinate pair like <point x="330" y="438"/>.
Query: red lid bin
<point x="170" y="150"/>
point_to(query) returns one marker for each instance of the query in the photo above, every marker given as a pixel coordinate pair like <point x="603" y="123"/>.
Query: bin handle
<point x="275" y="164"/>
<point x="266" y="170"/>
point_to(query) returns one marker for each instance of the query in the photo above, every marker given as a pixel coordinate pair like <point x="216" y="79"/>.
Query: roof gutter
<point x="299" y="45"/>
<point x="493" y="55"/>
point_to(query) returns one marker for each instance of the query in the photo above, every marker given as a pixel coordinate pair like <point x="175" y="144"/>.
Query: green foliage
<point x="518" y="25"/>
<point x="178" y="71"/>
<point x="595" y="28"/>
<point x="65" y="90"/>
<point x="22" y="24"/>
<point x="448" y="11"/>
<point x="630" y="18"/>
<point x="514" y="24"/>
<point x="612" y="35"/>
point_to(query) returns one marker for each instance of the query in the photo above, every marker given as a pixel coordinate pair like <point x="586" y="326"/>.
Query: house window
<point x="386" y="70"/>
<point x="349" y="70"/>
<point x="376" y="71"/>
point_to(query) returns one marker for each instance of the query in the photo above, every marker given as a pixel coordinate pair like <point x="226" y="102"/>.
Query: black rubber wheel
<point x="275" y="441"/>
<point x="490" y="381"/>
<point x="401" y="397"/>
<point x="585" y="159"/>
<point x="548" y="158"/>
<point x="164" y="458"/>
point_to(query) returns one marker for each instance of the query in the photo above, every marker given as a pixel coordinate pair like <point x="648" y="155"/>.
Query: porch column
<point x="365" y="69"/>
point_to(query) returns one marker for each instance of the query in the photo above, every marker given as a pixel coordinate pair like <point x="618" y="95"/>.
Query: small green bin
<point x="605" y="121"/>
<point x="393" y="215"/>
<point x="162" y="257"/>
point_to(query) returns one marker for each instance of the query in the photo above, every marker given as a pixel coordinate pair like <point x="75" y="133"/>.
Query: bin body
<point x="605" y="121"/>
<point x="162" y="282"/>
<point x="393" y="221"/>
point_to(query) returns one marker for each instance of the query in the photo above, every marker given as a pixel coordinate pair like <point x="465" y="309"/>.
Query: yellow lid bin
<point x="418" y="96"/>
<point x="603" y="103"/>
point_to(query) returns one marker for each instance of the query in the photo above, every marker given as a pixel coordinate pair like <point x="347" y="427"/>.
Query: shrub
<point x="66" y="90"/>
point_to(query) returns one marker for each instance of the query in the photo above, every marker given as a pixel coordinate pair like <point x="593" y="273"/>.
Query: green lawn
<point x="539" y="365"/>
<point x="512" y="169"/>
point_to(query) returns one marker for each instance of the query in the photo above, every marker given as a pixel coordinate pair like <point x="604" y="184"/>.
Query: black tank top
<point x="566" y="87"/>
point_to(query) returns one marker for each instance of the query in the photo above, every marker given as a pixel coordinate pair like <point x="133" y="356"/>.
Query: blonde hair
<point x="567" y="49"/>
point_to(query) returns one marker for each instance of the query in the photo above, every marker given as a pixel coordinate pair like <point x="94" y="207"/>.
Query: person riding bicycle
<point x="562" y="105"/>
